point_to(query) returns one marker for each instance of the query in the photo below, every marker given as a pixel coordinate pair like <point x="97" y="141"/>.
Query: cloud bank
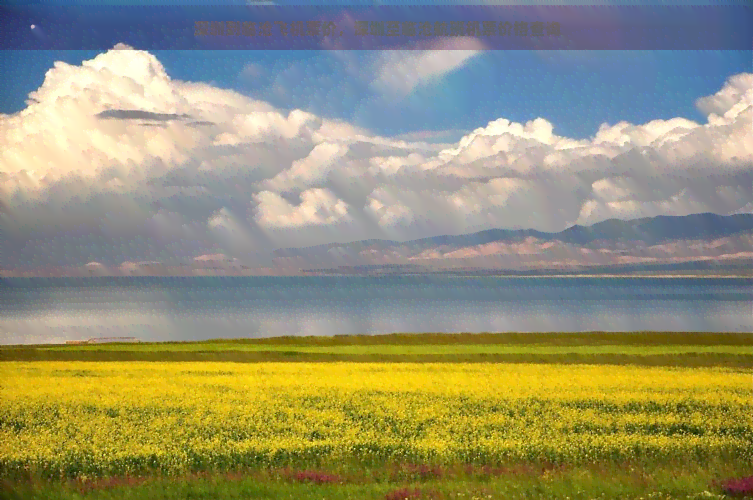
<point x="113" y="161"/>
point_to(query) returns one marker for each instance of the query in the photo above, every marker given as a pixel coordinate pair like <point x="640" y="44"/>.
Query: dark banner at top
<point x="254" y="27"/>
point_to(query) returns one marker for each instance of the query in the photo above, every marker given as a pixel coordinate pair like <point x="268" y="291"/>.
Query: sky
<point x="131" y="155"/>
<point x="457" y="93"/>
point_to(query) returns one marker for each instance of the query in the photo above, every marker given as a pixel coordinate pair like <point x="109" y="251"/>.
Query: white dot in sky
<point x="32" y="26"/>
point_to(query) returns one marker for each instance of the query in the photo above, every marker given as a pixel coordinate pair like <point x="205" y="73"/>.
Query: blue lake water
<point x="159" y="309"/>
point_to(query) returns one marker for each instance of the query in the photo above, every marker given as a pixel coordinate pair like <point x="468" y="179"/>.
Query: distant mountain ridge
<point x="649" y="230"/>
<point x="699" y="244"/>
<point x="741" y="267"/>
<point x="696" y="243"/>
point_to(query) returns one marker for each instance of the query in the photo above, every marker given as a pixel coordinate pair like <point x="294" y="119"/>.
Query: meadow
<point x="733" y="350"/>
<point x="359" y="429"/>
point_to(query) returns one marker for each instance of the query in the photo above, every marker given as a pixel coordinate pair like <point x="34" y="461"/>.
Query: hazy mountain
<point x="650" y="231"/>
<point x="649" y="244"/>
<point x="660" y="229"/>
<point x="701" y="243"/>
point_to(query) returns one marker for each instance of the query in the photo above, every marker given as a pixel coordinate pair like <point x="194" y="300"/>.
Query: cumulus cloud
<point x="733" y="93"/>
<point x="388" y="210"/>
<point x="317" y="207"/>
<point x="312" y="169"/>
<point x="113" y="161"/>
<point x="400" y="71"/>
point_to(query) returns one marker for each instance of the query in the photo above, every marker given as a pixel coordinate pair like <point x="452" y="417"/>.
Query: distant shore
<point x="384" y="275"/>
<point x="709" y="276"/>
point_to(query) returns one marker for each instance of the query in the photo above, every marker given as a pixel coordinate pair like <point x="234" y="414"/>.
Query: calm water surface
<point x="55" y="310"/>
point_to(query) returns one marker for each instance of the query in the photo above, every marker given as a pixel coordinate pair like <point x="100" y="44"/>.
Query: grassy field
<point x="567" y="339"/>
<point x="418" y="350"/>
<point x="733" y="350"/>
<point x="110" y="427"/>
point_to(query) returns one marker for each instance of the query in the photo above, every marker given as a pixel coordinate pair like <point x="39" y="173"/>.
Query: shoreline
<point x="448" y="275"/>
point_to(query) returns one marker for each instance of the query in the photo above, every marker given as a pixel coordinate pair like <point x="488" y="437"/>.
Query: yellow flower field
<point x="83" y="419"/>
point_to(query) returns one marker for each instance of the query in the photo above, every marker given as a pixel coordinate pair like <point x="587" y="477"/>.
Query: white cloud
<point x="392" y="164"/>
<point x="738" y="89"/>
<point x="615" y="189"/>
<point x="400" y="71"/>
<point x="114" y="161"/>
<point x="745" y="209"/>
<point x="313" y="168"/>
<point x="388" y="211"/>
<point x="318" y="207"/>
<point x="644" y="135"/>
<point x="680" y="203"/>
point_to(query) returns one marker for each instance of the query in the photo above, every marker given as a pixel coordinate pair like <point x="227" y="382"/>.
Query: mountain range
<point x="695" y="244"/>
<point x="692" y="242"/>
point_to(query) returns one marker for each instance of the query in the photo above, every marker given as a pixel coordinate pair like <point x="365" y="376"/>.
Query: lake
<point x="40" y="310"/>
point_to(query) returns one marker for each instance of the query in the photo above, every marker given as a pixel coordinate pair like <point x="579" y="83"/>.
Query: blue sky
<point x="116" y="159"/>
<point x="576" y="91"/>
